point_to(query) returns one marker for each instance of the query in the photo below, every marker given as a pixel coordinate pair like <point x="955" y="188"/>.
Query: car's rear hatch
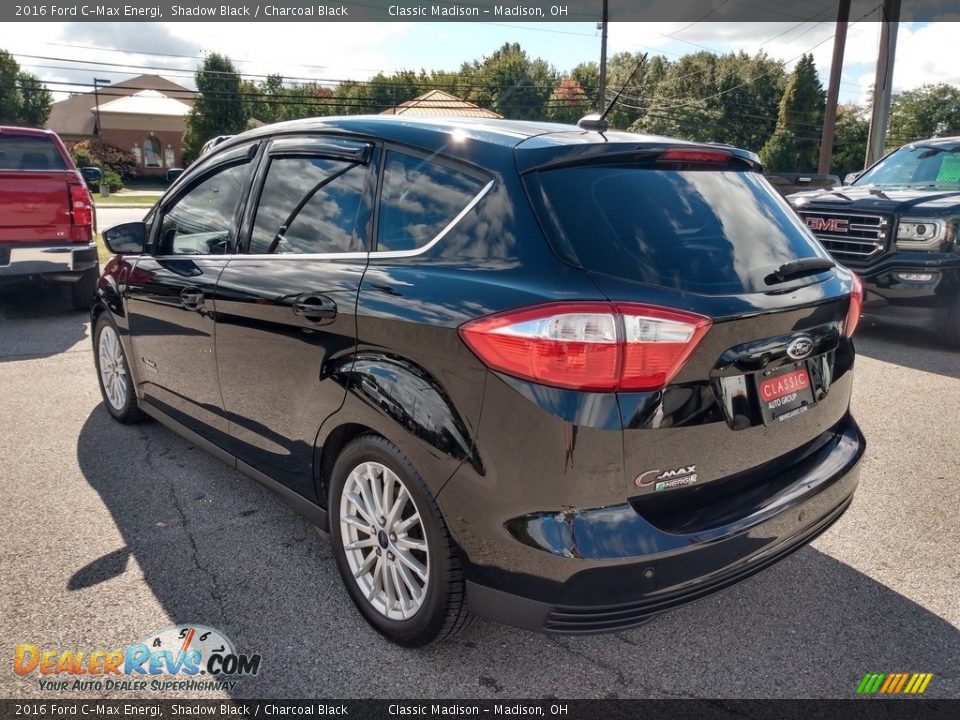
<point x="698" y="230"/>
<point x="35" y="204"/>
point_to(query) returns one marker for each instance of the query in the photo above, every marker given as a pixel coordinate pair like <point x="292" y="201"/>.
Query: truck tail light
<point x="856" y="306"/>
<point x="81" y="213"/>
<point x="595" y="346"/>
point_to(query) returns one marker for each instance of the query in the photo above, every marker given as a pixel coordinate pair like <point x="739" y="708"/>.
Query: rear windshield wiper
<point x="798" y="268"/>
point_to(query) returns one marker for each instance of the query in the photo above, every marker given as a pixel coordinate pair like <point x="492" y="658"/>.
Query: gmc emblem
<point x="834" y="225"/>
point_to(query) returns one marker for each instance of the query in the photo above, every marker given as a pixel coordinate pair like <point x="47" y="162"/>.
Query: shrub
<point x="113" y="180"/>
<point x="106" y="157"/>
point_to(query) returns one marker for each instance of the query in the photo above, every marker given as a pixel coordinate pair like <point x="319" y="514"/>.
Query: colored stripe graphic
<point x="894" y="683"/>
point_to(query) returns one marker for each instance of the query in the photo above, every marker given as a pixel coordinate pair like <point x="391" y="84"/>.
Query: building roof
<point x="146" y="102"/>
<point x="75" y="115"/>
<point x="440" y="103"/>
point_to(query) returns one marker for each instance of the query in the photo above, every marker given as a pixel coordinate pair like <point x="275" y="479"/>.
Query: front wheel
<point x="113" y="372"/>
<point x="392" y="547"/>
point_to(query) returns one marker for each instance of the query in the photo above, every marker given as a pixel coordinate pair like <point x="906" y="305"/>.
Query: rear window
<point x="703" y="231"/>
<point x="29" y="153"/>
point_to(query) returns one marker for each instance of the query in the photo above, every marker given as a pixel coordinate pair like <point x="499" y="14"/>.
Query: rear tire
<point x="83" y="290"/>
<point x="113" y="373"/>
<point x="392" y="546"/>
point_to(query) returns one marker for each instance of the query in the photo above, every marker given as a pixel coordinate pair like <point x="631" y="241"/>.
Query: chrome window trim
<point x="439" y="236"/>
<point x="363" y="255"/>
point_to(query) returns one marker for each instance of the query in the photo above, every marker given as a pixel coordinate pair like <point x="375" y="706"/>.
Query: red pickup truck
<point x="47" y="219"/>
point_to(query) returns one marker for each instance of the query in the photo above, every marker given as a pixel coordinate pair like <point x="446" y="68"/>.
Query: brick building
<point x="145" y="115"/>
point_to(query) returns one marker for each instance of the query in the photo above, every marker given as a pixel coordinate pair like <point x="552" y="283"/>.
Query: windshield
<point x="917" y="166"/>
<point x="712" y="232"/>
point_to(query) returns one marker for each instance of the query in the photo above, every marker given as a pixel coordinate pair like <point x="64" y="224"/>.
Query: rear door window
<point x="19" y="152"/>
<point x="420" y="198"/>
<point x="310" y="205"/>
<point x="703" y="231"/>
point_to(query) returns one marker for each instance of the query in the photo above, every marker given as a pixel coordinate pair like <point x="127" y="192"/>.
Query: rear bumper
<point x="636" y="571"/>
<point x="53" y="262"/>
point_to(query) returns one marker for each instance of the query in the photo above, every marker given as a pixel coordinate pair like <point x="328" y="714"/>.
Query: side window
<point x="201" y="222"/>
<point x="310" y="205"/>
<point x="420" y="198"/>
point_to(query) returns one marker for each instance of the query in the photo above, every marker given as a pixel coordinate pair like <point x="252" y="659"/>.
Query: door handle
<point x="191" y="298"/>
<point x="315" y="308"/>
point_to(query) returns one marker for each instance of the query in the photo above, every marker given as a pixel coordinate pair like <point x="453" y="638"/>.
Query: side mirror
<point x="92" y="175"/>
<point x="851" y="178"/>
<point x="126" y="239"/>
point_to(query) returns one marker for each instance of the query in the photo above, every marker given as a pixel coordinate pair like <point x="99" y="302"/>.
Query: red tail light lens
<point x="81" y="214"/>
<point x="588" y="346"/>
<point x="856" y="306"/>
<point x="679" y="155"/>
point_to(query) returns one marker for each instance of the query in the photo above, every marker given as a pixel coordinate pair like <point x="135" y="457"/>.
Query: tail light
<point x="81" y="213"/>
<point x="595" y="346"/>
<point x="693" y="155"/>
<point x="856" y="306"/>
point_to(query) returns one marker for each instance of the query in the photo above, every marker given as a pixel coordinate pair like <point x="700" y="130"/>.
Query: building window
<point x="151" y="152"/>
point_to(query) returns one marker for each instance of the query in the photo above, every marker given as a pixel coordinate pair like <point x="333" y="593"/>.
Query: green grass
<point x="125" y="199"/>
<point x="102" y="249"/>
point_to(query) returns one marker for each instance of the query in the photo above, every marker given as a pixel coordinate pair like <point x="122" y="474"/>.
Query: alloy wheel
<point x="113" y="368"/>
<point x="384" y="541"/>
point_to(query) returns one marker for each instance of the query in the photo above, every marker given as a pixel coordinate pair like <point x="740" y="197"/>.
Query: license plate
<point x="784" y="393"/>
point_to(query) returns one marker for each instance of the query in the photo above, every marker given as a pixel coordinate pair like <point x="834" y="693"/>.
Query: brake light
<point x="856" y="306"/>
<point x="694" y="156"/>
<point x="81" y="214"/>
<point x="594" y="346"/>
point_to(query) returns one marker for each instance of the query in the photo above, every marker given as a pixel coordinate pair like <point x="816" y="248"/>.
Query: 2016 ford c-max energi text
<point x="563" y="379"/>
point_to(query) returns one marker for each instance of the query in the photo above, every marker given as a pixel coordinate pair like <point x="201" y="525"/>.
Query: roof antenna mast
<point x="595" y="122"/>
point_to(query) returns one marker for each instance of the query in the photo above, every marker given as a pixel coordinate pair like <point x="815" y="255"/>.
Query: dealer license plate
<point x="784" y="393"/>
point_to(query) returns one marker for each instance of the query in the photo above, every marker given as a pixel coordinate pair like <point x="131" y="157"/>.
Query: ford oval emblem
<point x="800" y="347"/>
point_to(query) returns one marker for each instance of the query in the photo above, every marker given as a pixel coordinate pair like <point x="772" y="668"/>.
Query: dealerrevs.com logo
<point x="179" y="658"/>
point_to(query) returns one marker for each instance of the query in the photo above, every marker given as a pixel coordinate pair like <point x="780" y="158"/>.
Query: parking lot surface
<point x="109" y="532"/>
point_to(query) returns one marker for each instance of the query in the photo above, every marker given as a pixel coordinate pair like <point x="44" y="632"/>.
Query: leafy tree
<point x="780" y="153"/>
<point x="104" y="156"/>
<point x="729" y="98"/>
<point x="511" y="83"/>
<point x="35" y="100"/>
<point x="635" y="99"/>
<point x="218" y="108"/>
<point x="568" y="102"/>
<point x="924" y="112"/>
<point x="801" y="112"/>
<point x="23" y="98"/>
<point x="9" y="92"/>
<point x="850" y="140"/>
<point x="587" y="76"/>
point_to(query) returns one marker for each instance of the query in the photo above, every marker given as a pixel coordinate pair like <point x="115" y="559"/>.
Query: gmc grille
<point x="852" y="238"/>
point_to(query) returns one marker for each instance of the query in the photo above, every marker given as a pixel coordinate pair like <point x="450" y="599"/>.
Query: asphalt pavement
<point x="110" y="532"/>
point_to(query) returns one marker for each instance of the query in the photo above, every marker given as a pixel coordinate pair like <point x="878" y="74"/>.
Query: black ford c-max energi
<point x="566" y="380"/>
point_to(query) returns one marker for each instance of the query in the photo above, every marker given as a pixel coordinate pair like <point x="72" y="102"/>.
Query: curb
<point x="109" y="206"/>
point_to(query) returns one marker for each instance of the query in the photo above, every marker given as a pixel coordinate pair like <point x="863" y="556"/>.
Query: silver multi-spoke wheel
<point x="113" y="368"/>
<point x="384" y="541"/>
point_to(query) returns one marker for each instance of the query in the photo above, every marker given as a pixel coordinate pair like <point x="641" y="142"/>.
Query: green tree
<point x="218" y="108"/>
<point x="924" y="112"/>
<point x="780" y="153"/>
<point x="568" y="102"/>
<point x="801" y="112"/>
<point x="9" y="92"/>
<point x="511" y="83"/>
<point x="35" y="101"/>
<point x="850" y="140"/>
<point x="730" y="98"/>
<point x="587" y="76"/>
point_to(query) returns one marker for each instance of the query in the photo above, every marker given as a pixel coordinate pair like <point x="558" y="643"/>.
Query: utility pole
<point x="833" y="91"/>
<point x="883" y="85"/>
<point x="96" y="94"/>
<point x="602" y="26"/>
